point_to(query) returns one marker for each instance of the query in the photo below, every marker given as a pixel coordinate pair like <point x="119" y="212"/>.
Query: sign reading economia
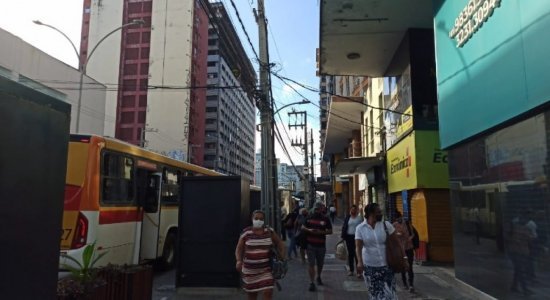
<point x="471" y="18"/>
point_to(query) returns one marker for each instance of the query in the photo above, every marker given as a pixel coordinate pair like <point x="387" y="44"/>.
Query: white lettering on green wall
<point x="471" y="18"/>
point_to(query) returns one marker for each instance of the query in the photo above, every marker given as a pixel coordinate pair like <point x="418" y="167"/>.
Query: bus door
<point x="149" y="201"/>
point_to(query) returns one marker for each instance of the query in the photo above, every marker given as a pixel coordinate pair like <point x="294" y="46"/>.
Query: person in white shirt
<point x="370" y="245"/>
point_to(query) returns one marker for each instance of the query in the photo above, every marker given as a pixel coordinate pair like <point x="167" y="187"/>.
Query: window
<point x="211" y="64"/>
<point x="117" y="178"/>
<point x="170" y="186"/>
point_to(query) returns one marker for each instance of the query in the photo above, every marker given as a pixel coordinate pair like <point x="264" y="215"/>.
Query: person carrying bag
<point x="375" y="247"/>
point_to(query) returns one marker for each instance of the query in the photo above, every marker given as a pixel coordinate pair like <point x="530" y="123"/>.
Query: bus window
<point x="117" y="178"/>
<point x="170" y="187"/>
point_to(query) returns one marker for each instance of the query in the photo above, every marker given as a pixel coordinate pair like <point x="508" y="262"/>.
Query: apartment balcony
<point x="211" y="115"/>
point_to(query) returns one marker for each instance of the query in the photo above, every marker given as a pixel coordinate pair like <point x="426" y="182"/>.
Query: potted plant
<point x="83" y="282"/>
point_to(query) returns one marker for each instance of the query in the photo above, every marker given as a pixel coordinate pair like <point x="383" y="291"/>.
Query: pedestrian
<point x="370" y="245"/>
<point x="406" y="234"/>
<point x="252" y="254"/>
<point x="518" y="239"/>
<point x="283" y="216"/>
<point x="289" y="222"/>
<point x="300" y="236"/>
<point x="352" y="220"/>
<point x="332" y="211"/>
<point x="533" y="245"/>
<point x="317" y="227"/>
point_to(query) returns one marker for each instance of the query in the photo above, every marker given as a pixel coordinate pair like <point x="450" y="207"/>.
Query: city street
<point x="431" y="282"/>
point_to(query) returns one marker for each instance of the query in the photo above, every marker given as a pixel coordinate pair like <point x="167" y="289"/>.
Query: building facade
<point x="492" y="71"/>
<point x="150" y="69"/>
<point x="399" y="153"/>
<point x="23" y="63"/>
<point x="230" y="111"/>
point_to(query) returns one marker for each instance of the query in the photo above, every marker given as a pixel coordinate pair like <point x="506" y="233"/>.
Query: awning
<point x="360" y="37"/>
<point x="353" y="166"/>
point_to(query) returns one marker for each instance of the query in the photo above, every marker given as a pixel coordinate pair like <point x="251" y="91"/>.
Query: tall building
<point x="197" y="109"/>
<point x="230" y="110"/>
<point x="152" y="67"/>
<point x="288" y="178"/>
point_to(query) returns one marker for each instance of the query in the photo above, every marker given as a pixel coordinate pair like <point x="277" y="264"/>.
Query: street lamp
<point x="304" y="101"/>
<point x="83" y="64"/>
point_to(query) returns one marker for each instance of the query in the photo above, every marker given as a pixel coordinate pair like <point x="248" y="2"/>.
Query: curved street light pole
<point x="82" y="65"/>
<point x="293" y="103"/>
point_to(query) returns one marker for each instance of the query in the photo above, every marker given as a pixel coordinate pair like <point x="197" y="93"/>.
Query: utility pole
<point x="266" y="119"/>
<point x="303" y="125"/>
<point x="142" y="140"/>
<point x="312" y="186"/>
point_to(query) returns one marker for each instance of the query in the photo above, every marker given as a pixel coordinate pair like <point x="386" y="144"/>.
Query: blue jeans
<point x="292" y="244"/>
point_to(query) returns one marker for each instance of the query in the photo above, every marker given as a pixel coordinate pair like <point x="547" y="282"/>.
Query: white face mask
<point x="257" y="223"/>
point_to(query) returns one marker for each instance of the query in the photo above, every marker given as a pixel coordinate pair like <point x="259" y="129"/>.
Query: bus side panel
<point x="168" y="220"/>
<point x="116" y="234"/>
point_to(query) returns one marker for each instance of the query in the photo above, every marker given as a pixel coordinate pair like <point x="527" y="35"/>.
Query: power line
<point x="244" y="30"/>
<point x="312" y="89"/>
<point x="311" y="102"/>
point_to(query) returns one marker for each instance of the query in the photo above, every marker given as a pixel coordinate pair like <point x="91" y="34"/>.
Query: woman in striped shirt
<point x="253" y="255"/>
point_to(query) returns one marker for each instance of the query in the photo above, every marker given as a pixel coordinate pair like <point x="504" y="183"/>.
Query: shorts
<point x="316" y="254"/>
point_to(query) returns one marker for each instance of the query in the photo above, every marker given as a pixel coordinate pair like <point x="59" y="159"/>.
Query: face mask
<point x="257" y="223"/>
<point x="400" y="221"/>
<point x="378" y="218"/>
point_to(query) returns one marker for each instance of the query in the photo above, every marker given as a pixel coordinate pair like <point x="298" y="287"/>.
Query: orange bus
<point x="124" y="199"/>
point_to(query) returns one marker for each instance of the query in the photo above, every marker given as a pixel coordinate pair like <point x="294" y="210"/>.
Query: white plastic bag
<point x="341" y="250"/>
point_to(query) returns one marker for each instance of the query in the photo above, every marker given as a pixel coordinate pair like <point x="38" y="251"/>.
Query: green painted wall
<point x="501" y="72"/>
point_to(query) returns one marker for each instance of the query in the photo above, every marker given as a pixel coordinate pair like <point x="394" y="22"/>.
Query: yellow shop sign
<point x="401" y="165"/>
<point x="417" y="162"/>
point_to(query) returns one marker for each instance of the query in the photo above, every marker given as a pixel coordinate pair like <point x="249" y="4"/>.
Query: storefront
<point x="417" y="172"/>
<point x="493" y="68"/>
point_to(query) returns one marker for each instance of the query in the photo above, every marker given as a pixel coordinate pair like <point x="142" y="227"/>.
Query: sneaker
<point x="319" y="282"/>
<point x="411" y="289"/>
<point x="350" y="273"/>
<point x="406" y="287"/>
<point x="312" y="287"/>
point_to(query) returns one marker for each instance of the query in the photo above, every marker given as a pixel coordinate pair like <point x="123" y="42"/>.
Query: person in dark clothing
<point x="406" y="235"/>
<point x="289" y="223"/>
<point x="348" y="234"/>
<point x="317" y="227"/>
<point x="332" y="212"/>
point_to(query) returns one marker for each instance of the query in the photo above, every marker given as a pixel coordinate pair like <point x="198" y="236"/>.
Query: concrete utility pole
<point x="266" y="118"/>
<point x="312" y="185"/>
<point x="303" y="124"/>
<point x="142" y="140"/>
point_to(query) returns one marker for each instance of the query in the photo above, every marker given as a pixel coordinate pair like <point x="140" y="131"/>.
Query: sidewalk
<point x="431" y="282"/>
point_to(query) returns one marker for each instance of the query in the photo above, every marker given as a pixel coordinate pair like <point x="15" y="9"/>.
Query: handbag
<point x="279" y="267"/>
<point x="341" y="250"/>
<point x="395" y="253"/>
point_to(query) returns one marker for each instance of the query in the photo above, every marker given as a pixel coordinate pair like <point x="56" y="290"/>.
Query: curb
<point x="470" y="291"/>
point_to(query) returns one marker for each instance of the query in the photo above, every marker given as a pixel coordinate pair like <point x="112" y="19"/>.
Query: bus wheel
<point x="168" y="259"/>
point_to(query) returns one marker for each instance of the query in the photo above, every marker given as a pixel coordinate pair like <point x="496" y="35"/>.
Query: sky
<point x="293" y="39"/>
